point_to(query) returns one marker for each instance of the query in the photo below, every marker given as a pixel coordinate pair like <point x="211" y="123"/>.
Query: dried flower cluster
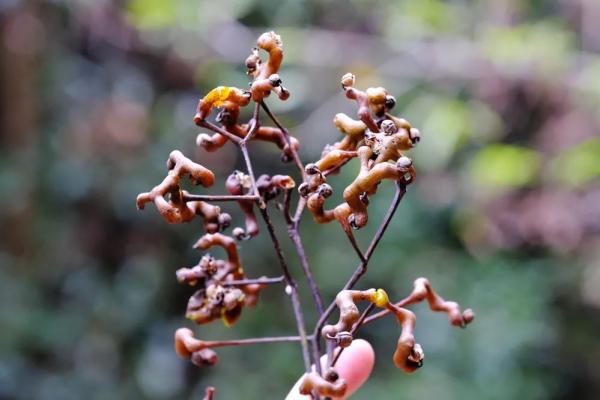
<point x="377" y="138"/>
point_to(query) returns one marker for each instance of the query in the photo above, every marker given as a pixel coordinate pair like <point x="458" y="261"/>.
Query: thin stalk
<point x="291" y="284"/>
<point x="205" y="197"/>
<point x="243" y="342"/>
<point x="217" y="129"/>
<point x="260" y="281"/>
<point x="352" y="240"/>
<point x="293" y="288"/>
<point x="286" y="136"/>
<point x="255" y="124"/>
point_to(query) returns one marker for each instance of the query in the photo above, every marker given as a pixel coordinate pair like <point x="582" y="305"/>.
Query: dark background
<point x="504" y="217"/>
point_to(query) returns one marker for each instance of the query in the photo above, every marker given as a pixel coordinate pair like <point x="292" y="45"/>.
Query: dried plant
<point x="377" y="138"/>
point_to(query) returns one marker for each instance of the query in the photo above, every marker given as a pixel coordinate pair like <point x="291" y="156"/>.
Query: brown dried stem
<point x="258" y="281"/>
<point x="292" y="287"/>
<point x="362" y="267"/>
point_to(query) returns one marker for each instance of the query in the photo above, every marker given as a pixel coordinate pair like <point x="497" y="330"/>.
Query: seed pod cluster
<point x="378" y="139"/>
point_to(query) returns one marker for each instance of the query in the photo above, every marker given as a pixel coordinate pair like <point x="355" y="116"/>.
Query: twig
<point x="286" y="136"/>
<point x="205" y="197"/>
<point x="293" y="288"/>
<point x="217" y="129"/>
<point x="255" y="124"/>
<point x="352" y="240"/>
<point x="291" y="284"/>
<point x="260" y="281"/>
<point x="243" y="342"/>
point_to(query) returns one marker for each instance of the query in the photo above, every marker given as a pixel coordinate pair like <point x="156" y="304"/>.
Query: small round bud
<point x="288" y="290"/>
<point x="275" y="80"/>
<point x="348" y="79"/>
<point x="204" y="358"/>
<point x="331" y="375"/>
<point x="325" y="190"/>
<point x="303" y="189"/>
<point x="344" y="339"/>
<point x="311" y="169"/>
<point x="239" y="233"/>
<point x="389" y="127"/>
<point x="404" y="162"/>
<point x="390" y="102"/>
<point x="224" y="220"/>
<point x="415" y="135"/>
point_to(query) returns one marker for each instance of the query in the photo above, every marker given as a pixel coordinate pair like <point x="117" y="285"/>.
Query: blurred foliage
<point x="504" y="217"/>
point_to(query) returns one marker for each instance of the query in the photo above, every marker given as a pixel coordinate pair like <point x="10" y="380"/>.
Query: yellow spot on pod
<point x="218" y="95"/>
<point x="380" y="298"/>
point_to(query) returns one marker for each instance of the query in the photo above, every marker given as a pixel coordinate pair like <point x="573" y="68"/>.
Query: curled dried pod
<point x="208" y="268"/>
<point x="408" y="355"/>
<point x="423" y="291"/>
<point x="315" y="203"/>
<point x="168" y="196"/>
<point x="334" y="159"/>
<point x="353" y="130"/>
<point x="188" y="347"/>
<point x="227" y="270"/>
<point x="233" y="264"/>
<point x="262" y="88"/>
<point x="265" y="74"/>
<point x="368" y="179"/>
<point x="332" y="385"/>
<point x="343" y="339"/>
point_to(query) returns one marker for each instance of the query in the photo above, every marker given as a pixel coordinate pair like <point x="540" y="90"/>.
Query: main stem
<point x="294" y="234"/>
<point x="292" y="287"/>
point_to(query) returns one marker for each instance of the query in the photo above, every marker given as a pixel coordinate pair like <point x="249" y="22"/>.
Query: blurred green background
<point x="504" y="218"/>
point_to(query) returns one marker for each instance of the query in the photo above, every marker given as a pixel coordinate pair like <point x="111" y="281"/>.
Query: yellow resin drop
<point x="218" y="95"/>
<point x="380" y="298"/>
